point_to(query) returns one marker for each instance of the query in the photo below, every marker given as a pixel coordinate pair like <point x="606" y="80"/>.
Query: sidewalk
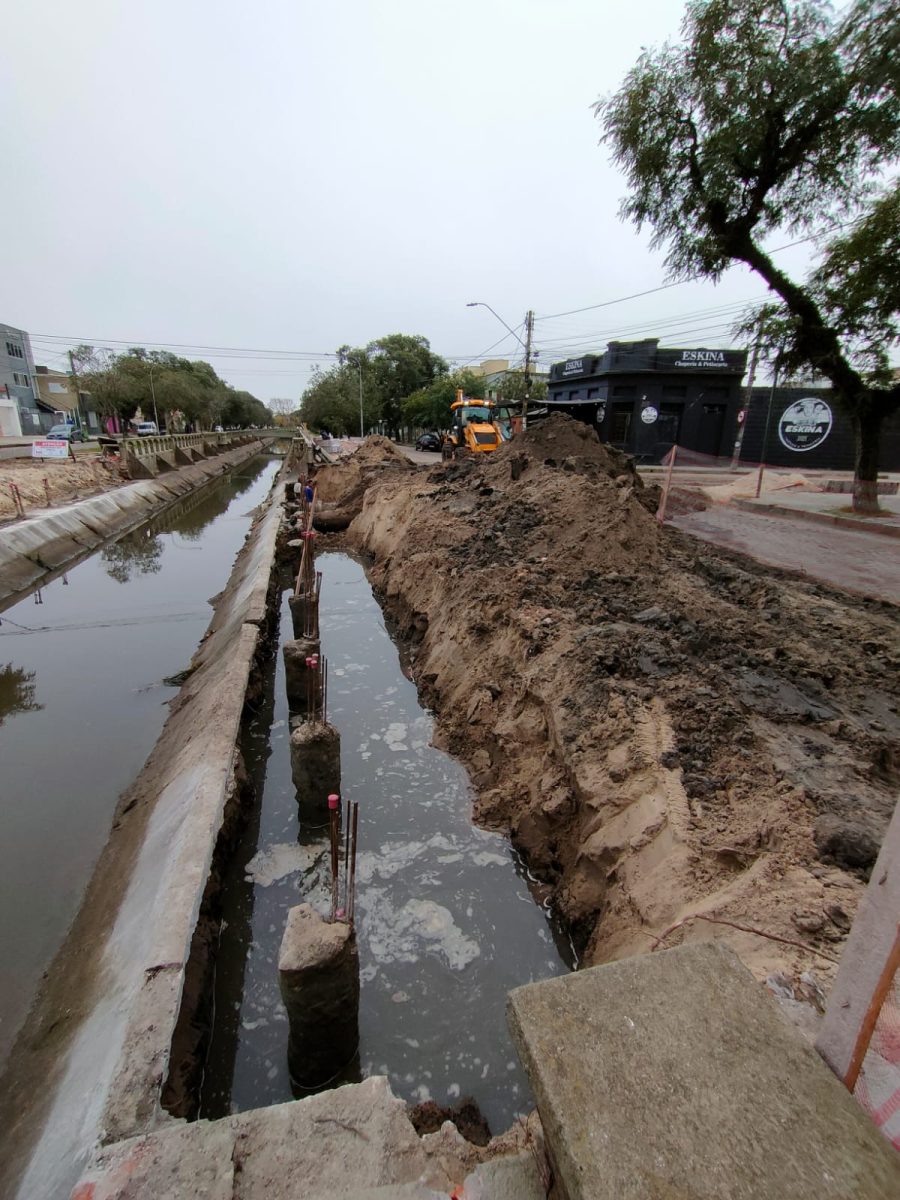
<point x="825" y="508"/>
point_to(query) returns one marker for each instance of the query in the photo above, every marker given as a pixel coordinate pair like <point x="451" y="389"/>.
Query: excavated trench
<point x="446" y="919"/>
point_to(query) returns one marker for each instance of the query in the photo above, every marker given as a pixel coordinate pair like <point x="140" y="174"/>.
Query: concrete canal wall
<point x="40" y="546"/>
<point x="95" y="1051"/>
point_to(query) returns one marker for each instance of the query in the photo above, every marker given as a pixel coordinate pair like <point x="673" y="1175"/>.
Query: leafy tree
<point x="429" y="407"/>
<point x="775" y="115"/>
<point x="391" y="368"/>
<point x="185" y="390"/>
<point x="511" y="389"/>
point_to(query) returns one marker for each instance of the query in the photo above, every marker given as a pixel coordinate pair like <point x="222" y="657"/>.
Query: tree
<point x="391" y="369"/>
<point x="512" y="388"/>
<point x="185" y="390"/>
<point x="429" y="407"/>
<point x="774" y="115"/>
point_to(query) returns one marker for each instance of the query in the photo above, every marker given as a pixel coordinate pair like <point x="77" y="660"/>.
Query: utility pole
<point x="529" y="331"/>
<point x="362" y="432"/>
<point x="748" y="395"/>
<point x="74" y="374"/>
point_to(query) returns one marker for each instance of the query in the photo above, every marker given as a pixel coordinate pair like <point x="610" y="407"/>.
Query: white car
<point x="146" y="429"/>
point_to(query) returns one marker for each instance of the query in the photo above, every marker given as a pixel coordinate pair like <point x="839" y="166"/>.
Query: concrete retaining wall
<point x="50" y="542"/>
<point x="96" y="1048"/>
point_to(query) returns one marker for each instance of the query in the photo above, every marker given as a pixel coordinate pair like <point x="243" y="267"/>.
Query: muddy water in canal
<point x="86" y="667"/>
<point x="445" y="919"/>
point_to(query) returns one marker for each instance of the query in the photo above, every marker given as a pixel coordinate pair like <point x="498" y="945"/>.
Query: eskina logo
<point x="702" y="358"/>
<point x="573" y="366"/>
<point x="805" y="424"/>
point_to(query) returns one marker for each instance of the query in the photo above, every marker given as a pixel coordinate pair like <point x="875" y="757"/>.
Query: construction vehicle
<point x="477" y="427"/>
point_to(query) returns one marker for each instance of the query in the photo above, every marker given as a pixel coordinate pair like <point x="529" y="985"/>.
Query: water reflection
<point x="137" y="554"/>
<point x="17" y="688"/>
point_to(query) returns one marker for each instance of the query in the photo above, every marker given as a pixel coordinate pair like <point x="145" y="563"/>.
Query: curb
<point x="857" y="524"/>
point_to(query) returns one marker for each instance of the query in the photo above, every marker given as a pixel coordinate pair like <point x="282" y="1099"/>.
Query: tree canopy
<point x="390" y="369"/>
<point x="775" y="115"/>
<point x="186" y="391"/>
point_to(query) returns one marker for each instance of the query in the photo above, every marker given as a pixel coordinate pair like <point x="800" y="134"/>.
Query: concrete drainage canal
<point x="444" y="922"/>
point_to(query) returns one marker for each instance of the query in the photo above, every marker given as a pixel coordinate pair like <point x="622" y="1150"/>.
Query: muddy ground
<point x="60" y="481"/>
<point x="663" y="728"/>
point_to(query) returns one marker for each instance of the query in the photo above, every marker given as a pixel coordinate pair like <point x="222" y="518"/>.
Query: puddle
<point x="445" y="920"/>
<point x="86" y="666"/>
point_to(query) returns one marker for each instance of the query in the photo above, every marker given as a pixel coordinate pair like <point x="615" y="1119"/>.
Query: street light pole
<point x="526" y="346"/>
<point x="153" y="394"/>
<point x="362" y="431"/>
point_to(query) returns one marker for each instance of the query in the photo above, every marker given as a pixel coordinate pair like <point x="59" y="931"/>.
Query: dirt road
<point x="866" y="563"/>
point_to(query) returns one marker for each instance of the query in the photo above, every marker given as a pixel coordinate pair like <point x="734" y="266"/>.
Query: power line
<point x="663" y="287"/>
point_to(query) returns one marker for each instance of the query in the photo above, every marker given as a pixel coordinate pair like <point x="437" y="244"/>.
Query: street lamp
<point x="481" y="304"/>
<point x="153" y="367"/>
<point x="526" y="346"/>
<point x="362" y="432"/>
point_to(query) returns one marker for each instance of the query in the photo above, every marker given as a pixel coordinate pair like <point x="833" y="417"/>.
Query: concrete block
<point x="299" y="606"/>
<point x="315" y="765"/>
<point x="318" y="970"/>
<point x="296" y="673"/>
<point x="513" y="1177"/>
<point x="672" y="1074"/>
<point x="354" y="1141"/>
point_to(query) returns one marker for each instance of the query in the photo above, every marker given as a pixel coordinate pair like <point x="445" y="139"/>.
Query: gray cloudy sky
<point x="290" y="176"/>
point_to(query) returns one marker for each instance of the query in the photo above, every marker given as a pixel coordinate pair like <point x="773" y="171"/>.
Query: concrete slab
<point x="673" y="1075"/>
<point x="355" y="1141"/>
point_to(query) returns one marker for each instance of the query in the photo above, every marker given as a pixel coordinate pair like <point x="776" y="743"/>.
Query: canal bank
<point x="89" y="1061"/>
<point x="39" y="548"/>
<point x="88" y="665"/>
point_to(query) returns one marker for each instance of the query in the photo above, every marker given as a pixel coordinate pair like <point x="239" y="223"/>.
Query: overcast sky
<point x="291" y="176"/>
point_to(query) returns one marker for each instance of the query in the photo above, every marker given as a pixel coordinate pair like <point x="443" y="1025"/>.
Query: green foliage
<point x="429" y="407"/>
<point x="777" y="115"/>
<point x="512" y="389"/>
<point x="186" y="391"/>
<point x="392" y="368"/>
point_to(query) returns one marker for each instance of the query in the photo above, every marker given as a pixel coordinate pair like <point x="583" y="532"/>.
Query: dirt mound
<point x="664" y="729"/>
<point x="341" y="487"/>
<point x="62" y="481"/>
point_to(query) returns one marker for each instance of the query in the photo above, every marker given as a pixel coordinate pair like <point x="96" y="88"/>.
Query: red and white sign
<point x="47" y="448"/>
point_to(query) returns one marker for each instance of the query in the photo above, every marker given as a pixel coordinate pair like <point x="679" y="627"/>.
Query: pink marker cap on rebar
<point x="334" y="800"/>
<point x="309" y="661"/>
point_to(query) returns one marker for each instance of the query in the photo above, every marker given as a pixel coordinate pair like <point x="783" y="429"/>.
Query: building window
<point x="624" y="389"/>
<point x="574" y="394"/>
<point x="559" y="396"/>
<point x="21" y="380"/>
<point x="593" y="393"/>
<point x="14" y="351"/>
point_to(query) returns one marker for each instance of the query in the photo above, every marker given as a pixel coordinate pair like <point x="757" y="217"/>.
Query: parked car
<point x="64" y="433"/>
<point x="146" y="429"/>
<point x="429" y="441"/>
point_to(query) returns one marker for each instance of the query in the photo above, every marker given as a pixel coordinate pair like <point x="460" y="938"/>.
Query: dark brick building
<point x="643" y="399"/>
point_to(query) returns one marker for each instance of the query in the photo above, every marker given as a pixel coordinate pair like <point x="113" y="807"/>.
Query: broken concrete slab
<point x="672" y="1074"/>
<point x="354" y="1141"/>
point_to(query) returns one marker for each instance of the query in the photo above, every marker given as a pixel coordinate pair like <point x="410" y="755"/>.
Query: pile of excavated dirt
<point x="663" y="728"/>
<point x="342" y="486"/>
<point x="64" y="481"/>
